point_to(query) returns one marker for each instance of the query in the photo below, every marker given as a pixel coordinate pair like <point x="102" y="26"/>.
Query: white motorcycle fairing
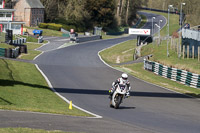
<point x="118" y="96"/>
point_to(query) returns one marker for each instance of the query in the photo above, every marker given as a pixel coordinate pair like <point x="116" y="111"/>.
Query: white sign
<point x="134" y="31"/>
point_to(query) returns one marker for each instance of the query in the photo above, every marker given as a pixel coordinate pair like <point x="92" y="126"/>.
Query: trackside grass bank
<point x="159" y="55"/>
<point x="22" y="87"/>
<point x="32" y="53"/>
<point x="138" y="71"/>
<point x="27" y="130"/>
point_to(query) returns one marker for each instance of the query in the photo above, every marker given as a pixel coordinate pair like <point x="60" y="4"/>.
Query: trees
<point x="51" y="9"/>
<point x="76" y="12"/>
<point x="89" y="13"/>
<point x="126" y="10"/>
<point x="102" y="12"/>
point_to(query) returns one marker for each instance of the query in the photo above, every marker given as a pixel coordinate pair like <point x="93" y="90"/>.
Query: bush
<point x="43" y="25"/>
<point x="51" y="26"/>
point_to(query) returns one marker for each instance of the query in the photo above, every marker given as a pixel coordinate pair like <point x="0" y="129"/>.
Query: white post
<point x="152" y="28"/>
<point x="159" y="31"/>
<point x="152" y="25"/>
<point x="170" y="6"/>
<point x="179" y="53"/>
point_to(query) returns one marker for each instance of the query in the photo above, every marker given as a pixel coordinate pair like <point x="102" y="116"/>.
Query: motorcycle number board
<point x="134" y="31"/>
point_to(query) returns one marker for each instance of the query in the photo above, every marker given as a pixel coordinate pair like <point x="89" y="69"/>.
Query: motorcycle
<point x="117" y="97"/>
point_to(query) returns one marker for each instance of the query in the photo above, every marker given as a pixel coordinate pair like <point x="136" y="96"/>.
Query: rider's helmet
<point x="124" y="76"/>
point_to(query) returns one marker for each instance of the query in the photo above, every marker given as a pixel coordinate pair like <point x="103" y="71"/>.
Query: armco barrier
<point x="182" y="76"/>
<point x="87" y="38"/>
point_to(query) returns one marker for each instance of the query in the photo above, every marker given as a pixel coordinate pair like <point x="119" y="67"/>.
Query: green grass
<point x="160" y="55"/>
<point x="27" y="130"/>
<point x="31" y="51"/>
<point x="22" y="87"/>
<point x="4" y="45"/>
<point x="119" y="53"/>
<point x="138" y="71"/>
<point x="110" y="55"/>
<point x="48" y="32"/>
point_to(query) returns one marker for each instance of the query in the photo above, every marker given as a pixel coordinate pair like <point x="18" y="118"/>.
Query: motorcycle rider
<point x="121" y="81"/>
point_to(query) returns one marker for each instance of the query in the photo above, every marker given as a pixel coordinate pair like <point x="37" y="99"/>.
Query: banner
<point x="134" y="31"/>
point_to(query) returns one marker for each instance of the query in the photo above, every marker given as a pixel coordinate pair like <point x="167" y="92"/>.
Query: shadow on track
<point x="123" y="107"/>
<point x="133" y="93"/>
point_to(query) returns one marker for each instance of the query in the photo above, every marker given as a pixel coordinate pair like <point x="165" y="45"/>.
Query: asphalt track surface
<point x="77" y="73"/>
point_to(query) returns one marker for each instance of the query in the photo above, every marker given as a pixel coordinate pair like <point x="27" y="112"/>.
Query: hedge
<point x="58" y="27"/>
<point x="43" y="25"/>
<point x="51" y="26"/>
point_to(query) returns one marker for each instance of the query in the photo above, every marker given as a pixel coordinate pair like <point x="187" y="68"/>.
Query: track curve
<point x="77" y="73"/>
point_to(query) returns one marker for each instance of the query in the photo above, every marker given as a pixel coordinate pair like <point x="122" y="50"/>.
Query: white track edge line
<point x="66" y="100"/>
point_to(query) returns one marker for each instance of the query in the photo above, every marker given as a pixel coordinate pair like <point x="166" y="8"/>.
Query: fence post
<point x="183" y="51"/>
<point x="177" y="48"/>
<point x="193" y="52"/>
<point x="198" y="53"/>
<point x="188" y="51"/>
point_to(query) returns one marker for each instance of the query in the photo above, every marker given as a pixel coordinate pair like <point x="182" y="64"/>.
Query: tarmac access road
<point x="78" y="74"/>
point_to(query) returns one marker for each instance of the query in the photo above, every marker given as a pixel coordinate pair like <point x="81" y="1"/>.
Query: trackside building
<point x="7" y="20"/>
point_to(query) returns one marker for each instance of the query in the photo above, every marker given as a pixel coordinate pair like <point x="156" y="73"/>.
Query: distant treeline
<point x="89" y="13"/>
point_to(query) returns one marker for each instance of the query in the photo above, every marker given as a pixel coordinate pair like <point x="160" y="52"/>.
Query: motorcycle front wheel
<point x="117" y="100"/>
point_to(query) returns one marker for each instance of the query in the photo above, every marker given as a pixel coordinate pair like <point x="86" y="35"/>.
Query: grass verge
<point x="31" y="51"/>
<point x="160" y="55"/>
<point x="47" y="32"/>
<point x="22" y="87"/>
<point x="119" y="53"/>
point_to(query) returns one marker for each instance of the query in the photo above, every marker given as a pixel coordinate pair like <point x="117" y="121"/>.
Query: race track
<point x="78" y="74"/>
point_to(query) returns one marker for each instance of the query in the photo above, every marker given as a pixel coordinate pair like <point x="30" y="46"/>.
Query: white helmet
<point x="124" y="76"/>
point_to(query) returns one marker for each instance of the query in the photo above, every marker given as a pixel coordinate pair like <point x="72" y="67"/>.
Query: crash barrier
<point x="65" y="33"/>
<point x="88" y="38"/>
<point x="13" y="53"/>
<point x="181" y="76"/>
<point x="10" y="53"/>
<point x="19" y="41"/>
<point x="85" y="38"/>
